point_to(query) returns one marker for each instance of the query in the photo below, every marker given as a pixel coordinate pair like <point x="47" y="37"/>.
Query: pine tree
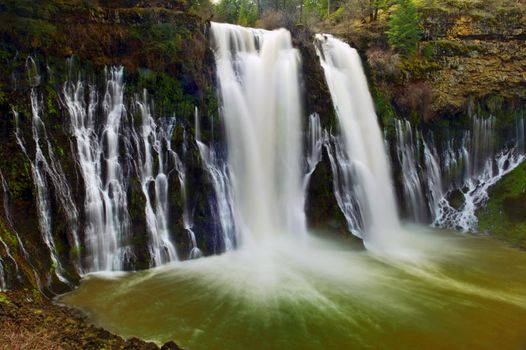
<point x="404" y="33"/>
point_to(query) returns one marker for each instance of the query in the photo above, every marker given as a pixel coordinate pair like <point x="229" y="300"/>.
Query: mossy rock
<point x="504" y="216"/>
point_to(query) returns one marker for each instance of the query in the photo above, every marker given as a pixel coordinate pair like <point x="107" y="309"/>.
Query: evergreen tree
<point x="248" y="13"/>
<point x="404" y="33"/>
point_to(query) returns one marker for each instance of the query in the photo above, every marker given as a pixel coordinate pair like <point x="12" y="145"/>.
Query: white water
<point x="342" y="181"/>
<point x="219" y="176"/>
<point x="151" y="142"/>
<point x="97" y="146"/>
<point x="407" y="145"/>
<point x="259" y="89"/>
<point x="315" y="140"/>
<point x="39" y="169"/>
<point x="469" y="165"/>
<point x="20" y="244"/>
<point x="364" y="145"/>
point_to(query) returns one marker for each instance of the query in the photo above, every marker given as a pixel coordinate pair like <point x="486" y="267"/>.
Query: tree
<point x="404" y="32"/>
<point x="248" y="13"/>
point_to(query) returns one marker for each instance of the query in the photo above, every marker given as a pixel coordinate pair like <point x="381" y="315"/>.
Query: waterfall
<point x="219" y="176"/>
<point x="154" y="139"/>
<point x="97" y="146"/>
<point x="39" y="169"/>
<point x="345" y="190"/>
<point x="467" y="167"/>
<point x="9" y="219"/>
<point x="434" y="180"/>
<point x="407" y="150"/>
<point x="366" y="158"/>
<point x="315" y="140"/>
<point x="259" y="90"/>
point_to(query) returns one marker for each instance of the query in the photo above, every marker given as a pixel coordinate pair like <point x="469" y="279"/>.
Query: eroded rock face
<point x="163" y="49"/>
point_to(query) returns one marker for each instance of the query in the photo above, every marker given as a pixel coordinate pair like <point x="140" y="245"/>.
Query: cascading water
<point x="20" y="244"/>
<point x="363" y="140"/>
<point x="259" y="89"/>
<point x="407" y="147"/>
<point x="39" y="169"/>
<point x="3" y="244"/>
<point x="219" y="176"/>
<point x="468" y="165"/>
<point x="150" y="141"/>
<point x="107" y="219"/>
<point x="315" y="139"/>
<point x="345" y="190"/>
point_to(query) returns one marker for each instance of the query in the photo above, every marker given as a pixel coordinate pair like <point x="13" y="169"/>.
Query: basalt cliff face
<point x="89" y="82"/>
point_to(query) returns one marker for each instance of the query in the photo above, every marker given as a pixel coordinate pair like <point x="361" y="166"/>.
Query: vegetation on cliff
<point x="503" y="216"/>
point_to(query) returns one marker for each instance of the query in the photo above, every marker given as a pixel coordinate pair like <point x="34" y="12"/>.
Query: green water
<point x="450" y="292"/>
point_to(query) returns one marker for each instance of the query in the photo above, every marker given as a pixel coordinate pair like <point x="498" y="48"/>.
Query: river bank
<point x="29" y="321"/>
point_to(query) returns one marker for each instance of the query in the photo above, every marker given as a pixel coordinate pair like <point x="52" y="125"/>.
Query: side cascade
<point x="258" y="77"/>
<point x="459" y="170"/>
<point x="359" y="159"/>
<point x="219" y="175"/>
<point x="98" y="147"/>
<point x="154" y="141"/>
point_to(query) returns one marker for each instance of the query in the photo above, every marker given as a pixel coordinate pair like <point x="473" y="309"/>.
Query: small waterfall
<point x="363" y="141"/>
<point x="219" y="176"/>
<point x="155" y="140"/>
<point x="315" y="140"/>
<point x="97" y="143"/>
<point x="258" y="75"/>
<point x="39" y="169"/>
<point x="467" y="167"/>
<point x="434" y="180"/>
<point x="475" y="192"/>
<point x="21" y="247"/>
<point x="407" y="151"/>
<point x="2" y="242"/>
<point x="345" y="191"/>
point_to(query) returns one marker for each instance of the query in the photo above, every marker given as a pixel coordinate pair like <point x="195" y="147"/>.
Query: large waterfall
<point x="260" y="94"/>
<point x="125" y="199"/>
<point x="366" y="160"/>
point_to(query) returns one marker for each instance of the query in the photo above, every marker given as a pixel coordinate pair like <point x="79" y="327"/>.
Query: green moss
<point x="503" y="216"/>
<point x="417" y="68"/>
<point x="8" y="236"/>
<point x="4" y="299"/>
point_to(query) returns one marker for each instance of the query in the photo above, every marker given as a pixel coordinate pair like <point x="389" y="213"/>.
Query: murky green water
<point x="452" y="292"/>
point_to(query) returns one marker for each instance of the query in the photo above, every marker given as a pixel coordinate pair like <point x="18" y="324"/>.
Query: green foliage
<point x="167" y="92"/>
<point x="248" y="13"/>
<point x="242" y="12"/>
<point x="227" y="11"/>
<point x="404" y="32"/>
<point x="503" y="216"/>
<point x="4" y="299"/>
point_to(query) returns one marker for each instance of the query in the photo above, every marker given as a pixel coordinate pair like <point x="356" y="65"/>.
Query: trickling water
<point x="259" y="89"/>
<point x="219" y="176"/>
<point x="364" y="145"/>
<point x="39" y="169"/>
<point x="468" y="165"/>
<point x="434" y="180"/>
<point x="475" y="192"/>
<point x="150" y="141"/>
<point x="107" y="219"/>
<point x="345" y="190"/>
<point x="315" y="139"/>
<point x="20" y="244"/>
<point x="7" y="250"/>
<point x="407" y="148"/>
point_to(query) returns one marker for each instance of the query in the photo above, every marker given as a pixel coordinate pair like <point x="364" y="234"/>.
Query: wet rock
<point x="171" y="345"/>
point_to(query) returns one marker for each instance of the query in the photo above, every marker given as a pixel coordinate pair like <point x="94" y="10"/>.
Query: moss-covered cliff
<point x="504" y="214"/>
